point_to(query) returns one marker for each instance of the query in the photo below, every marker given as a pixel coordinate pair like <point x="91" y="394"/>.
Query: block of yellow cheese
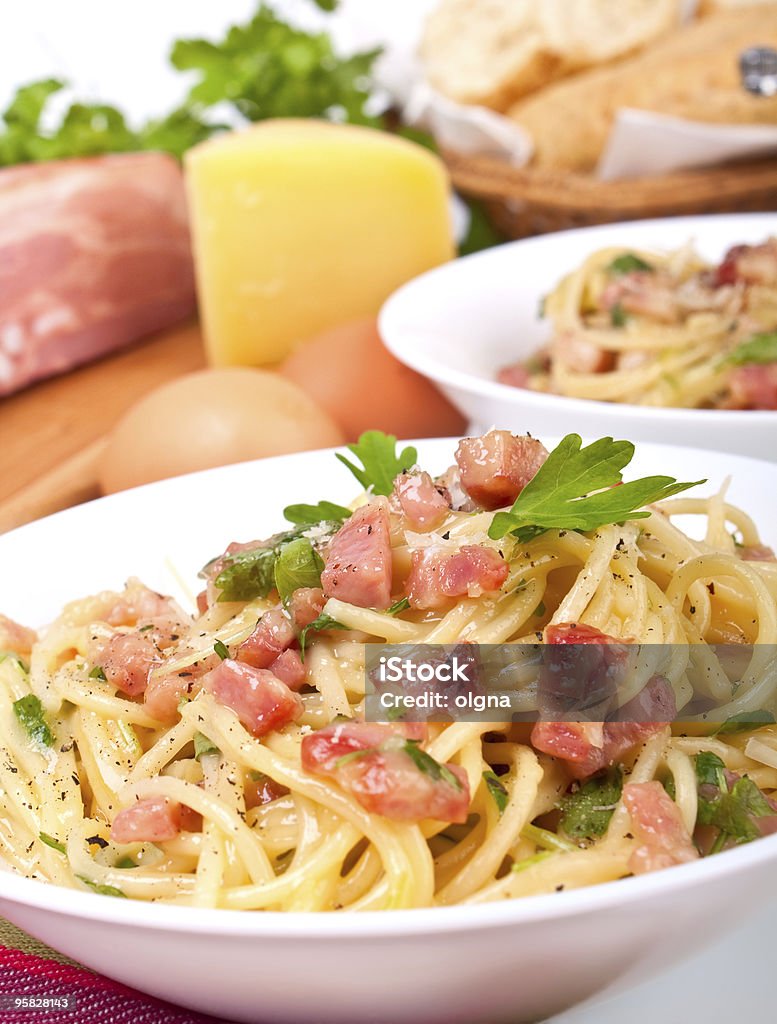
<point x="300" y="225"/>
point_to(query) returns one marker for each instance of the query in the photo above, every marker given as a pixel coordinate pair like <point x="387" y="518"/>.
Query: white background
<point x="117" y="52"/>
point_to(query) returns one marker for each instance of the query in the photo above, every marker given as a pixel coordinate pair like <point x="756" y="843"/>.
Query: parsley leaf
<point x="497" y="790"/>
<point x="98" y="672"/>
<point x="323" y="622"/>
<point x="13" y="656"/>
<point x="29" y="711"/>
<point x="744" y="722"/>
<point x="586" y="813"/>
<point x="398" y="606"/>
<point x="221" y="649"/>
<point x="247" y="574"/>
<point x="618" y="315"/>
<point x="733" y="812"/>
<point x="298" y="565"/>
<point x="627" y="264"/>
<point x="426" y="763"/>
<point x="125" y="863"/>
<point x="203" y="746"/>
<point x="101" y="890"/>
<point x="560" y="494"/>
<point x="311" y="515"/>
<point x="761" y="348"/>
<point x="380" y="463"/>
<point x="710" y="770"/>
<point x="268" y="68"/>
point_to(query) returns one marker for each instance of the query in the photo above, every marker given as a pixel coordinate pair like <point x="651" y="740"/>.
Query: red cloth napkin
<point x="98" y="1000"/>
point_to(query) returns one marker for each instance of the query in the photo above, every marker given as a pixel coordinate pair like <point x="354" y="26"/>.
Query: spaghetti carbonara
<point x="662" y="329"/>
<point x="222" y="759"/>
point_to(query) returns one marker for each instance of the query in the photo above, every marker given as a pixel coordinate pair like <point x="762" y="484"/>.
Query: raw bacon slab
<point x="94" y="254"/>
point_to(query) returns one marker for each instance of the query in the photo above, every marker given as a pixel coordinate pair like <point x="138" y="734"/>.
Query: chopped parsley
<point x="55" y="844"/>
<point x="628" y="263"/>
<point x="399" y="606"/>
<point x="586" y="813"/>
<point x="203" y="746"/>
<point x="101" y="890"/>
<point x="574" y="490"/>
<point x="744" y="722"/>
<point x="732" y="811"/>
<point x="426" y="763"/>
<point x="323" y="622"/>
<point x="497" y="789"/>
<point x="298" y="565"/>
<point x="221" y="649"/>
<point x="311" y="515"/>
<point x="761" y="348"/>
<point x="618" y="315"/>
<point x="29" y="712"/>
<point x="98" y="672"/>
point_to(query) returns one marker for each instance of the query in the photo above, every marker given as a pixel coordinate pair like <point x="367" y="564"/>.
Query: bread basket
<point x="523" y="202"/>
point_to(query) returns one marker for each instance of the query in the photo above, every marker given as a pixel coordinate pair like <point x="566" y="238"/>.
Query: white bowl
<point x="461" y="323"/>
<point x="514" y="961"/>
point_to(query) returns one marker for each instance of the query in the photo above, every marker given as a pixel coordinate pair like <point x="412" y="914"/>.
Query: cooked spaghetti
<point x="222" y="759"/>
<point x="662" y="329"/>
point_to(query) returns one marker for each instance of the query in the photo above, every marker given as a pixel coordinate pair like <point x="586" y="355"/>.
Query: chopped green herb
<point x="145" y="629"/>
<point x="497" y="789"/>
<point x="13" y="656"/>
<point x="311" y="515"/>
<point x="618" y="315"/>
<point x="529" y="862"/>
<point x="586" y="813"/>
<point x="203" y="746"/>
<point x="29" y="711"/>
<point x="399" y="606"/>
<point x="221" y="649"/>
<point x="102" y="890"/>
<point x="761" y="348"/>
<point x="427" y="764"/>
<point x="732" y="811"/>
<point x="353" y="755"/>
<point x="298" y="565"/>
<point x="547" y="840"/>
<point x="323" y="622"/>
<point x="627" y="264"/>
<point x="540" y="610"/>
<point x="98" y="672"/>
<point x="247" y="574"/>
<point x="710" y="770"/>
<point x="744" y="722"/>
<point x="130" y="737"/>
<point x="560" y="494"/>
<point x="55" y="844"/>
<point x="124" y="863"/>
<point x="380" y="464"/>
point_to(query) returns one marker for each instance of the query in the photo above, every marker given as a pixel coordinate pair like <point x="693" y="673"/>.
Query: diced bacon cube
<point x="260" y="700"/>
<point x="658" y="828"/>
<point x="16" y="638"/>
<point x="757" y="553"/>
<point x="262" y="790"/>
<point x="166" y="690"/>
<point x="516" y="376"/>
<point x="290" y="669"/>
<point x="754" y="387"/>
<point x="127" y="660"/>
<point x="753" y="264"/>
<point x="423" y="506"/>
<point x="495" y="468"/>
<point x="148" y="821"/>
<point x="358" y="563"/>
<point x="273" y="634"/>
<point x="438" y="575"/>
<point x="305" y="605"/>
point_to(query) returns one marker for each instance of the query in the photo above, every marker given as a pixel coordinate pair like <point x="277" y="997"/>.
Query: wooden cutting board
<point x="52" y="425"/>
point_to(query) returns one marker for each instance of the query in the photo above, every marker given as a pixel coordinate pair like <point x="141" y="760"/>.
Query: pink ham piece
<point x="757" y="553"/>
<point x="381" y="775"/>
<point x="94" y="254"/>
<point x="273" y="634"/>
<point x="139" y="603"/>
<point x="754" y="387"/>
<point x="422" y="504"/>
<point x="516" y="376"/>
<point x="127" y="660"/>
<point x="651" y="294"/>
<point x="14" y="637"/>
<point x="438" y="575"/>
<point x="153" y="820"/>
<point x="582" y="356"/>
<point x="305" y="605"/>
<point x="358" y="563"/>
<point x="657" y="827"/>
<point x="753" y="264"/>
<point x="166" y="690"/>
<point x="496" y="468"/>
<point x="259" y="699"/>
<point x="290" y="669"/>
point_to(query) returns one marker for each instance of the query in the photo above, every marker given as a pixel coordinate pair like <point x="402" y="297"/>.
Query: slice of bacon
<point x="422" y="504"/>
<point x="757" y="553"/>
<point x="582" y="356"/>
<point x="305" y="605"/>
<point x="385" y="779"/>
<point x="515" y="376"/>
<point x="754" y="387"/>
<point x="274" y="633"/>
<point x="652" y="294"/>
<point x="127" y="660"/>
<point x="290" y="669"/>
<point x="259" y="699"/>
<point x="495" y="468"/>
<point x="358" y="563"/>
<point x="140" y="604"/>
<point x="16" y="638"/>
<point x="166" y="690"/>
<point x="437" y="575"/>
<point x="148" y="821"/>
<point x="753" y="264"/>
<point x="262" y="790"/>
<point x="658" y="828"/>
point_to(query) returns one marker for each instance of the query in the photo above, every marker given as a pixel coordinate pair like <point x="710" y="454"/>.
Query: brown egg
<point x="362" y="386"/>
<point x="212" y="418"/>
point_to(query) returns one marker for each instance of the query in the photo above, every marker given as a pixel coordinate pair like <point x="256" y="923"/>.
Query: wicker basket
<point x="530" y="202"/>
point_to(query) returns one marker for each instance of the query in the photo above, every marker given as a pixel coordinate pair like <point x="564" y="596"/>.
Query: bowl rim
<point x="393" y="327"/>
